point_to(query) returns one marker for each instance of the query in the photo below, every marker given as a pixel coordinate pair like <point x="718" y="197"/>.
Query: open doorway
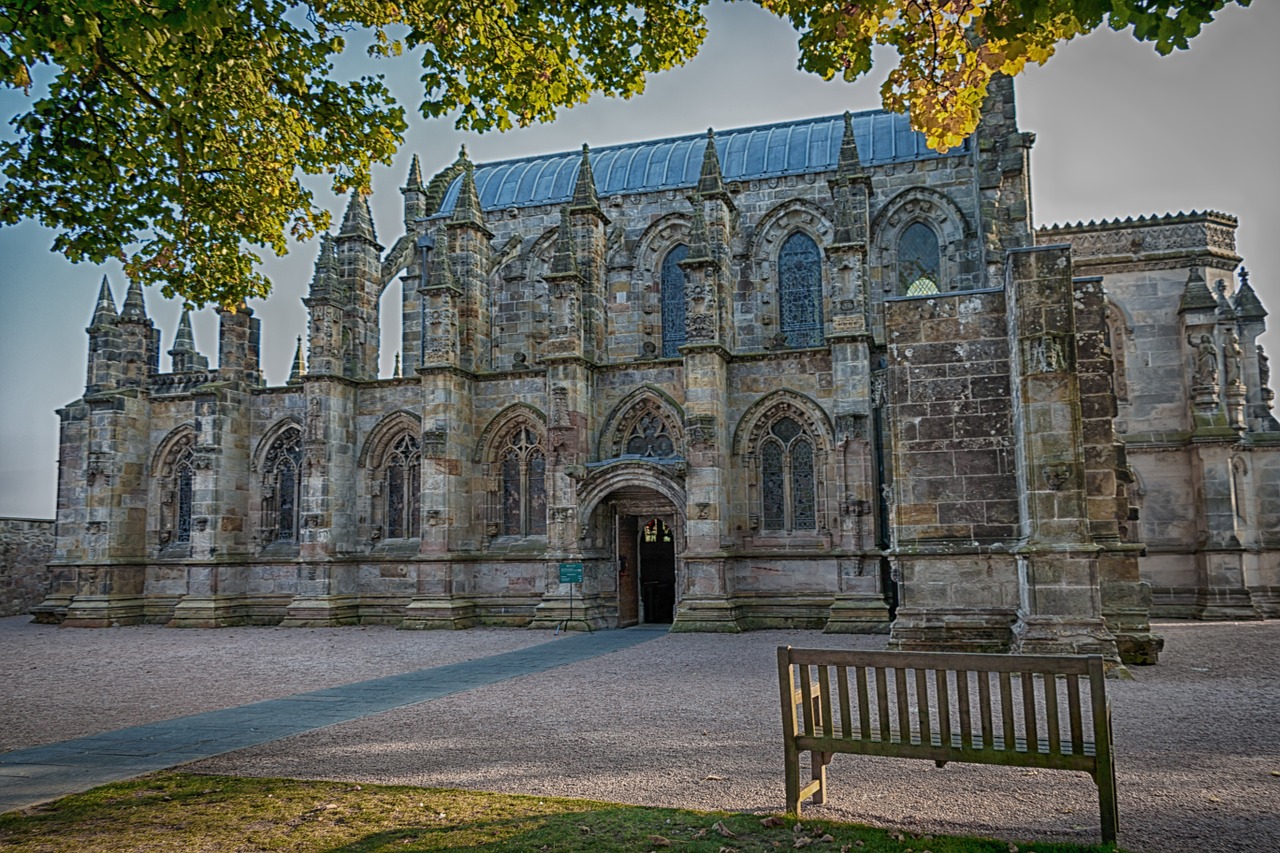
<point x="656" y="550"/>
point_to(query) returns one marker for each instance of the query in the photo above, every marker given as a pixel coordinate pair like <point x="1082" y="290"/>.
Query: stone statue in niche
<point x="1206" y="361"/>
<point x="1231" y="358"/>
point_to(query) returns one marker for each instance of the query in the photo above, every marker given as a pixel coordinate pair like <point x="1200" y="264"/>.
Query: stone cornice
<point x="1149" y="242"/>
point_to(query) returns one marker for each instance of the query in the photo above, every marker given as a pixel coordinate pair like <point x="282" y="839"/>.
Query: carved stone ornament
<point x="203" y="461"/>
<point x="1056" y="475"/>
<point x="1206" y="374"/>
<point x="700" y="327"/>
<point x="200" y="524"/>
<point x="1045" y="353"/>
<point x="698" y="291"/>
<point x="700" y="431"/>
<point x="313" y="521"/>
<point x="434" y="442"/>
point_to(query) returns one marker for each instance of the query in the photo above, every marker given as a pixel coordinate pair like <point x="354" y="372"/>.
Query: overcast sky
<point x="1120" y="132"/>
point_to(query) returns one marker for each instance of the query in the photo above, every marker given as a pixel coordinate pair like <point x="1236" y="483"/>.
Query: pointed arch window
<point x="800" y="291"/>
<point x="282" y="487"/>
<point x="919" y="261"/>
<point x="673" y="305"/>
<point x="402" y="489"/>
<point x="178" y="492"/>
<point x="788" y="486"/>
<point x="522" y="471"/>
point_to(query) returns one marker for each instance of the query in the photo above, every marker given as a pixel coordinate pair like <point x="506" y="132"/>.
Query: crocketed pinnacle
<point x="466" y="210"/>
<point x="565" y="261"/>
<point x="699" y="248"/>
<point x="358" y="221"/>
<point x="584" y="191"/>
<point x="711" y="182"/>
<point x="415" y="175"/>
<point x="850" y="164"/>
<point x="135" y="307"/>
<point x="105" y="311"/>
<point x="1196" y="295"/>
<point x="299" y="368"/>
<point x="325" y="277"/>
<point x="1247" y="304"/>
<point x="184" y="340"/>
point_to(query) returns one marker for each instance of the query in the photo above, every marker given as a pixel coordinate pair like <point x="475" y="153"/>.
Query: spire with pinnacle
<point x="358" y="221"/>
<point x="584" y="191"/>
<point x="466" y="210"/>
<point x="299" y="368"/>
<point x="135" y="307"/>
<point x="415" y="194"/>
<point x="699" y="244"/>
<point x="565" y="261"/>
<point x="186" y="358"/>
<point x="1196" y="295"/>
<point x="104" y="313"/>
<point x="325" y="277"/>
<point x="1247" y="304"/>
<point x="711" y="182"/>
<point x="850" y="164"/>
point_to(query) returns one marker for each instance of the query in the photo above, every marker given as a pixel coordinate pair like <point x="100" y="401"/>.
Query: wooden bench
<point x="976" y="708"/>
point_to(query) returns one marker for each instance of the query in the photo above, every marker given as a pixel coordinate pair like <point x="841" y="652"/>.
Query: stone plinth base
<point x="321" y="611"/>
<point x="857" y="614"/>
<point x="427" y="613"/>
<point x="208" y="611"/>
<point x="756" y="613"/>
<point x="713" y="615"/>
<point x="952" y="630"/>
<point x="51" y="611"/>
<point x="1218" y="604"/>
<point x="1064" y="635"/>
<point x="584" y="614"/>
<point x="1267" y="600"/>
<point x="104" y="611"/>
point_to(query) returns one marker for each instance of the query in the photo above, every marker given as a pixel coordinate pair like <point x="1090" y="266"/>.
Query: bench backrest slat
<point x="1051" y="711"/>
<point x="864" y="708"/>
<point x="940" y="682"/>
<point x="962" y="698"/>
<point x="824" y="700"/>
<point x="1073" y="711"/>
<point x="904" y="705"/>
<point x="1006" y="710"/>
<point x="846" y="717"/>
<point x="882" y="703"/>
<point x="922" y="705"/>
<point x="984" y="708"/>
<point x="806" y="706"/>
<point x="1029" y="712"/>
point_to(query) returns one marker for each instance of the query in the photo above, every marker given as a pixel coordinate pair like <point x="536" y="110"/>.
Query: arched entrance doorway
<point x="646" y="592"/>
<point x="636" y="506"/>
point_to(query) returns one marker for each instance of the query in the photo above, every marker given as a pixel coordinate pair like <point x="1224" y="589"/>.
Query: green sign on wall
<point x="571" y="573"/>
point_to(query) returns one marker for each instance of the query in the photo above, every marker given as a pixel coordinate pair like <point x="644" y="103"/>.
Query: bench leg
<point x="1107" y="805"/>
<point x="819" y="761"/>
<point x="791" y="765"/>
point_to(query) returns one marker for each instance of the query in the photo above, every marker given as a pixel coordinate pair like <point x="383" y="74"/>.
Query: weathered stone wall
<point x="26" y="547"/>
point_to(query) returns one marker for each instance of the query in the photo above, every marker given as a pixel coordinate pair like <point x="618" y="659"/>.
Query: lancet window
<point x="788" y="485"/>
<point x="522" y="473"/>
<point x="800" y="291"/>
<point x="282" y="487"/>
<point x="402" y="489"/>
<point x="919" y="260"/>
<point x="673" y="305"/>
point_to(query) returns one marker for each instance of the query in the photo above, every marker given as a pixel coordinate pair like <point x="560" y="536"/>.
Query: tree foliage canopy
<point x="172" y="134"/>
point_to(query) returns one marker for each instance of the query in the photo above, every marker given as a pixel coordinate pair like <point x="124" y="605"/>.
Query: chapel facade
<point x="810" y="374"/>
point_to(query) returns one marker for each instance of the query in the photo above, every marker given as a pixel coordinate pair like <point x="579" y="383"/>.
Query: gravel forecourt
<point x="684" y="720"/>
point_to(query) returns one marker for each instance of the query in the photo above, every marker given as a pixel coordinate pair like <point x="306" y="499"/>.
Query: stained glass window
<point x="787" y="483"/>
<point x="282" y="481"/>
<point x="649" y="437"/>
<point x="523" y="469"/>
<point x="673" y="307"/>
<point x="800" y="285"/>
<point x="919" y="261"/>
<point x="656" y="531"/>
<point x="402" y="489"/>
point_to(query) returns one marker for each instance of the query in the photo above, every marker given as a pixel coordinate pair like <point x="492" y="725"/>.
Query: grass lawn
<point x="178" y="811"/>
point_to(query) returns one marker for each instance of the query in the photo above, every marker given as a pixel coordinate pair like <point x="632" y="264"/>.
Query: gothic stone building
<point x="810" y="374"/>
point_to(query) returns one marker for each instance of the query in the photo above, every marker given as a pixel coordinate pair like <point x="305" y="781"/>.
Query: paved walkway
<point x="43" y="773"/>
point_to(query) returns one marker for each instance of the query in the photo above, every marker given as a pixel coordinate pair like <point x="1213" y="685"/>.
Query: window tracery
<point x="523" y="493"/>
<point x="800" y="291"/>
<point x="282" y="487"/>
<point x="402" y="478"/>
<point x="673" y="302"/>
<point x="788" y="485"/>
<point x="919" y="260"/>
<point x="177" y="479"/>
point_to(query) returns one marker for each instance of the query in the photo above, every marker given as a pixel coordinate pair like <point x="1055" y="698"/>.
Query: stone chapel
<point x="810" y="374"/>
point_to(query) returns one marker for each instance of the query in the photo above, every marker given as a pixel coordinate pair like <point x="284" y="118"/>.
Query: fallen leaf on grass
<point x="801" y="842"/>
<point x="719" y="827"/>
<point x="827" y="838"/>
<point x="659" y="841"/>
<point x="771" y="822"/>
